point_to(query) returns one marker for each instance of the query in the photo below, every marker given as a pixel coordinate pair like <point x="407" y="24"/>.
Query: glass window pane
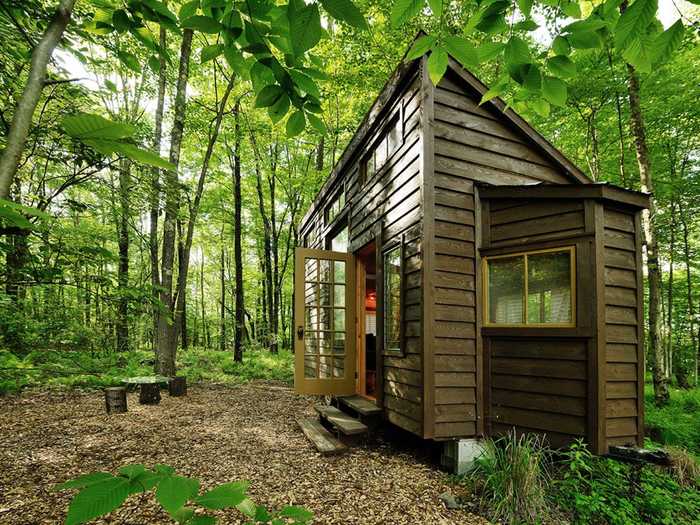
<point x="311" y="343"/>
<point x="506" y="290"/>
<point x="325" y="321"/>
<point x="339" y="271"/>
<point x="339" y="295"/>
<point x="380" y="153"/>
<point x="325" y="368"/>
<point x="310" y="269"/>
<point x="339" y="319"/>
<point x="549" y="288"/>
<point x="324" y="298"/>
<point x="339" y="343"/>
<point x="324" y="271"/>
<point x="338" y="367"/>
<point x="325" y="342"/>
<point x="339" y="243"/>
<point x="392" y="299"/>
<point x="394" y="137"/>
<point x="310" y="367"/>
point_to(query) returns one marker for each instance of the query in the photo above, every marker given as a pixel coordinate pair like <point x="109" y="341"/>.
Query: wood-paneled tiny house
<point x="462" y="274"/>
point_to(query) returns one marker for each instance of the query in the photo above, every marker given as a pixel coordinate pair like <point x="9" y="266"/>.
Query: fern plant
<point x="102" y="492"/>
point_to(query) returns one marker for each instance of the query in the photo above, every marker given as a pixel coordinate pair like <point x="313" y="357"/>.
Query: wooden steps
<point x="340" y="421"/>
<point x="361" y="405"/>
<point x="324" y="442"/>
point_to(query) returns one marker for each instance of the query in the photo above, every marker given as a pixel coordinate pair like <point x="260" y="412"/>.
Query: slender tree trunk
<point x="238" y="251"/>
<point x="620" y="132"/>
<point x="167" y="328"/>
<point x="122" y="321"/>
<point x="320" y="152"/>
<point x="182" y="309"/>
<point x="222" y="311"/>
<point x="22" y="117"/>
<point x="661" y="393"/>
<point x="155" y="195"/>
<point x="689" y="288"/>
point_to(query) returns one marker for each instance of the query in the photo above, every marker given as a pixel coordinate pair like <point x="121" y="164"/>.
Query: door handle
<point x="300" y="332"/>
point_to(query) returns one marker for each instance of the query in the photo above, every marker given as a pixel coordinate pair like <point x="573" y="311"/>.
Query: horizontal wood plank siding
<point x="472" y="144"/>
<point x="623" y="300"/>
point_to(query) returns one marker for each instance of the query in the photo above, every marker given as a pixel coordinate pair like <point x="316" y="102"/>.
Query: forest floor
<point x="216" y="434"/>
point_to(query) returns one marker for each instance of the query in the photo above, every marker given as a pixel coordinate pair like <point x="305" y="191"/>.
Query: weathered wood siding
<point x="389" y="202"/>
<point x="623" y="306"/>
<point x="539" y="385"/>
<point x="471" y="144"/>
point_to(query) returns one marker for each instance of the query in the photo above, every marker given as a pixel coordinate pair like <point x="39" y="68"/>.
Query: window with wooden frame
<point x="393" y="299"/>
<point x="383" y="148"/>
<point x="534" y="288"/>
<point x="337" y="203"/>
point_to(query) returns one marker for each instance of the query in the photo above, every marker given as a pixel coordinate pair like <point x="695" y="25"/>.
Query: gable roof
<point x="398" y="79"/>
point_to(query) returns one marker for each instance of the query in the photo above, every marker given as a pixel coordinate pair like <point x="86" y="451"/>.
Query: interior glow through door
<point x="324" y="322"/>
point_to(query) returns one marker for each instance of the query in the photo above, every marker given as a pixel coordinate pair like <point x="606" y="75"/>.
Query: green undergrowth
<point x="517" y="481"/>
<point x="677" y="423"/>
<point x="84" y="369"/>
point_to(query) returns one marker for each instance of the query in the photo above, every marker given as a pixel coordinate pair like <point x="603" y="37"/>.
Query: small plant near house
<point x="511" y="477"/>
<point x="102" y="492"/>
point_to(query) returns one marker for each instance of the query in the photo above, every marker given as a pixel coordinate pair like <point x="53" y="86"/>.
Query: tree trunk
<point x="155" y="195"/>
<point x="222" y="311"/>
<point x="661" y="394"/>
<point x="22" y="117"/>
<point x="167" y="330"/>
<point x="182" y="309"/>
<point x="238" y="251"/>
<point x="122" y="321"/>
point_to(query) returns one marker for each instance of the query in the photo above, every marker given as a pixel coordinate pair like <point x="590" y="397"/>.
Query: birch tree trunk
<point x="24" y="111"/>
<point x="167" y="331"/>
<point x="661" y="394"/>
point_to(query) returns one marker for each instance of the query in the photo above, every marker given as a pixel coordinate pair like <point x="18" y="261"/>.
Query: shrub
<point x="102" y="492"/>
<point x="511" y="476"/>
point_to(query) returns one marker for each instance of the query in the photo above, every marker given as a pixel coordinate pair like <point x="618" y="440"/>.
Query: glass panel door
<point x="324" y="322"/>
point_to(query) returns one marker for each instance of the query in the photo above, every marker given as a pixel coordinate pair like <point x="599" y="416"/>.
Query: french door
<point x="324" y="321"/>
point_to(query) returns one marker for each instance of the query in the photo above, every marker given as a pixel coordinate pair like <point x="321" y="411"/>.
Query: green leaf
<point x="667" y="42"/>
<point x="634" y="22"/>
<point x="517" y="51"/>
<point x="462" y="50"/>
<point x="188" y="9"/>
<point x="202" y="520"/>
<point x="345" y="11"/>
<point x="584" y="26"/>
<point x="305" y="82"/>
<point x="204" y="24"/>
<point x="437" y="65"/>
<point x="224" y="496"/>
<point x="561" y="66"/>
<point x="403" y="10"/>
<point x="97" y="500"/>
<point x="525" y="25"/>
<point x="268" y="96"/>
<point x="211" y="52"/>
<point x="235" y="59"/>
<point x="436" y="7"/>
<point x="525" y="7"/>
<point x="130" y="61"/>
<point x="295" y="123"/>
<point x="120" y="20"/>
<point x="316" y="123"/>
<point x="279" y="109"/>
<point x="554" y="90"/>
<point x="304" y="28"/>
<point x="86" y="479"/>
<point x="489" y="50"/>
<point x="165" y="470"/>
<point x="420" y="47"/>
<point x="261" y="76"/>
<point x="174" y="491"/>
<point x="154" y="64"/>
<point x="140" y="155"/>
<point x="161" y="9"/>
<point x="110" y="85"/>
<point x="540" y="106"/>
<point x="90" y="126"/>
<point x="585" y="40"/>
<point x="495" y="90"/>
<point x="298" y="514"/>
<point x="572" y="9"/>
<point x="638" y="53"/>
<point x="247" y="507"/>
<point x="132" y="471"/>
<point x="561" y="46"/>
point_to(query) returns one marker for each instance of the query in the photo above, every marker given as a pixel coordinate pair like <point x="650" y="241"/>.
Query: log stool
<point x="115" y="400"/>
<point x="149" y="394"/>
<point x="177" y="386"/>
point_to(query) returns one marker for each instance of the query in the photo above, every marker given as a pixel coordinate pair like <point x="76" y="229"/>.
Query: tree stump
<point x="177" y="386"/>
<point x="149" y="394"/>
<point x="115" y="400"/>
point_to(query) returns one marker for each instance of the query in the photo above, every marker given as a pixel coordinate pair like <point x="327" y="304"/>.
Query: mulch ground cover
<point x="216" y="434"/>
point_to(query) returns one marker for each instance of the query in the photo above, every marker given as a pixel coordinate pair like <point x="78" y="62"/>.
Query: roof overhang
<point x="595" y="191"/>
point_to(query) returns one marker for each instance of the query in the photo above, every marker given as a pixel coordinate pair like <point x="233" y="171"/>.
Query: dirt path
<point x="217" y="435"/>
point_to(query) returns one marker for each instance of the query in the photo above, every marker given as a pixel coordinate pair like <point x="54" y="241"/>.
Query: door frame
<point x="329" y="386"/>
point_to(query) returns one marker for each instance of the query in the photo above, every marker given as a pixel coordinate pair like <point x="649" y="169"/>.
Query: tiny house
<point x="462" y="275"/>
